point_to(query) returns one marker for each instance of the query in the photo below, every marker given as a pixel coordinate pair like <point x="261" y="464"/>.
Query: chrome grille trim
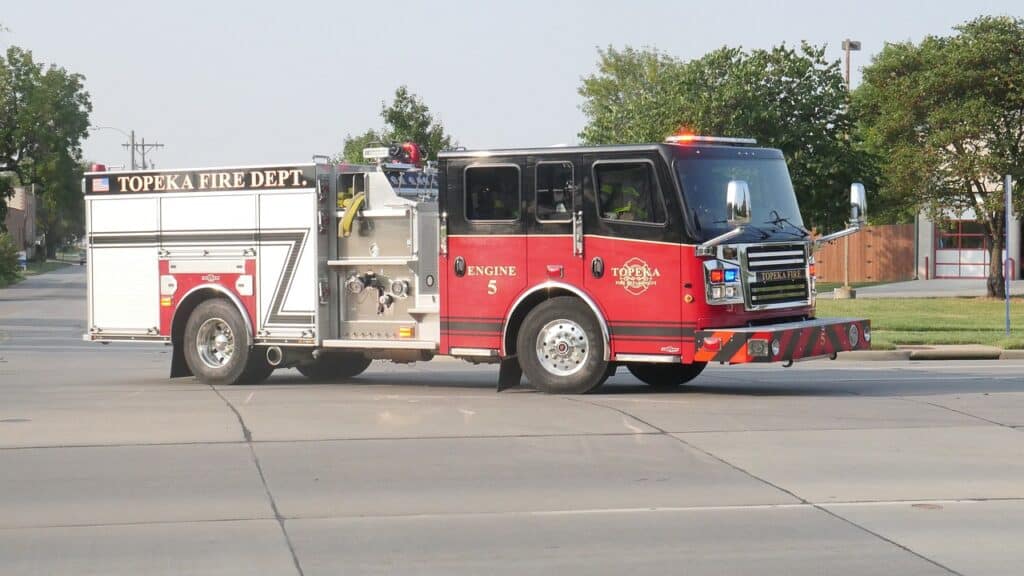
<point x="776" y="293"/>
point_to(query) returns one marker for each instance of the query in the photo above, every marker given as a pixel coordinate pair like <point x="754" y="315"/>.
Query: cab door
<point x="485" y="264"/>
<point x="632" y="256"/>
<point x="555" y="251"/>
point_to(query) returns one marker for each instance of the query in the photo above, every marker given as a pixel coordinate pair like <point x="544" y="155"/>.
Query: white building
<point x="959" y="249"/>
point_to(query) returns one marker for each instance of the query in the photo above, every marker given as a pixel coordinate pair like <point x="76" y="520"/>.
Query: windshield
<point x="704" y="177"/>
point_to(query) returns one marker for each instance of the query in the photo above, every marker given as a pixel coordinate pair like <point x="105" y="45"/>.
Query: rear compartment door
<point x="287" y="266"/>
<point x="123" y="294"/>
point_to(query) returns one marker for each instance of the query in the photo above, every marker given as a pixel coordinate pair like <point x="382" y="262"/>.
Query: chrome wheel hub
<point x="562" y="347"/>
<point x="215" y="343"/>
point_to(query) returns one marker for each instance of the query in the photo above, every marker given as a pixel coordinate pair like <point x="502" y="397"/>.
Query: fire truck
<point x="561" y="263"/>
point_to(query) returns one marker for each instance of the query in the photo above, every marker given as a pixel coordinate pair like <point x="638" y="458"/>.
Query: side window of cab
<point x="627" y="191"/>
<point x="492" y="193"/>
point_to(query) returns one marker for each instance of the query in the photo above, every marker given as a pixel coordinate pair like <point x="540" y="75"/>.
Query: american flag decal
<point x="101" y="184"/>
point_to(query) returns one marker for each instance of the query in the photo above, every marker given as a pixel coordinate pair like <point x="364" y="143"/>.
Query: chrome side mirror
<point x="858" y="204"/>
<point x="737" y="202"/>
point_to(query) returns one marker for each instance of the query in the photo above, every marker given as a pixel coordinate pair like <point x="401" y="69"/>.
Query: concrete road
<point x="107" y="467"/>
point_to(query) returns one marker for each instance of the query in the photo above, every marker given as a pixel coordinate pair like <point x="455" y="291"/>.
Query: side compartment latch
<point x="323" y="291"/>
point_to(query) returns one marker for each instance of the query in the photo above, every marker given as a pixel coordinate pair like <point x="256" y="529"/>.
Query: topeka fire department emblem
<point x="635" y="276"/>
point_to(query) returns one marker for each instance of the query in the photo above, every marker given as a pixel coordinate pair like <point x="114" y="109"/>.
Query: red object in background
<point x="98" y="168"/>
<point x="412" y="153"/>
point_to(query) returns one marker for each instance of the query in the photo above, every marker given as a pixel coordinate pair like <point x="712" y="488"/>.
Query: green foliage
<point x="8" y="259"/>
<point x="354" y="145"/>
<point x="791" y="99"/>
<point x="44" y="116"/>
<point x="946" y="119"/>
<point x="407" y="118"/>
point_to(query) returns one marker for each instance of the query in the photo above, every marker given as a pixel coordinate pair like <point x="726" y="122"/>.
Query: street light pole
<point x="847" y="291"/>
<point x="849" y="46"/>
<point x="131" y="139"/>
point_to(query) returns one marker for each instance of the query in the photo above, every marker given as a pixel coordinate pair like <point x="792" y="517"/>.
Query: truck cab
<point x="638" y="247"/>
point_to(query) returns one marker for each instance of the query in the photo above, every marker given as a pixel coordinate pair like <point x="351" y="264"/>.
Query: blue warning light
<point x="731" y="274"/>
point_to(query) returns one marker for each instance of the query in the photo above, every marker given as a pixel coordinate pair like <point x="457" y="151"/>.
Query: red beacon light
<point x="98" y="168"/>
<point x="406" y="153"/>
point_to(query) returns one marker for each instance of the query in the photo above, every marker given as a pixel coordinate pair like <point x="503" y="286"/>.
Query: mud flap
<point x="509" y="374"/>
<point x="179" y="368"/>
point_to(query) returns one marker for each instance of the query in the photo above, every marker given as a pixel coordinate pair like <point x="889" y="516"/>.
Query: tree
<point x="44" y="116"/>
<point x="407" y="118"/>
<point x="354" y="145"/>
<point x="946" y="119"/>
<point x="791" y="99"/>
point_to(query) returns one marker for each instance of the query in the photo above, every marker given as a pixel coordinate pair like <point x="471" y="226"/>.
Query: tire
<point x="561" y="348"/>
<point x="335" y="366"/>
<point x="217" y="346"/>
<point x="666" y="376"/>
<point x="258" y="368"/>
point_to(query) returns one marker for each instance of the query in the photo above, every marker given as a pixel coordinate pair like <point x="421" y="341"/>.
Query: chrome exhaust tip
<point x="275" y="356"/>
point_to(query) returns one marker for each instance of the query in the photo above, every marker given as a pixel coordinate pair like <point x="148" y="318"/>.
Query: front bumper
<point x="783" y="342"/>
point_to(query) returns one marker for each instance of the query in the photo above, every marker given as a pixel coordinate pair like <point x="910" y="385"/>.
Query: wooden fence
<point x="877" y="254"/>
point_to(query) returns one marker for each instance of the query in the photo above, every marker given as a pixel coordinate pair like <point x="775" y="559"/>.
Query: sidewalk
<point x="939" y="288"/>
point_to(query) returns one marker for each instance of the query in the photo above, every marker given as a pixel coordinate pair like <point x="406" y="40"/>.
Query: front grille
<point x="778" y="274"/>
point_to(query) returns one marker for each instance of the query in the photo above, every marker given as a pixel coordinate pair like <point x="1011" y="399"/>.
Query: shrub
<point x="8" y="259"/>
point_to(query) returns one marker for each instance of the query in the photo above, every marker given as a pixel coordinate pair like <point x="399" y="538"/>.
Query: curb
<point x="874" y="355"/>
<point x="967" y="352"/>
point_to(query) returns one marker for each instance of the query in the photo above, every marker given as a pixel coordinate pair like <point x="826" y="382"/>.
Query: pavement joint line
<point x="903" y="547"/>
<point x="534" y="513"/>
<point x="655" y="432"/>
<point x="954" y="410"/>
<point x="247" y="434"/>
<point x="340" y="439"/>
<point x="801" y="499"/>
<point x="138" y="523"/>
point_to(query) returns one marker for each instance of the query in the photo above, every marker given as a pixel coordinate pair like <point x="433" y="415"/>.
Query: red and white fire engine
<point x="561" y="263"/>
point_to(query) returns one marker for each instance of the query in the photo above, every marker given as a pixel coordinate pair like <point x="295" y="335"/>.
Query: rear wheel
<point x="335" y="366"/>
<point x="217" y="346"/>
<point x="666" y="376"/>
<point x="561" y="348"/>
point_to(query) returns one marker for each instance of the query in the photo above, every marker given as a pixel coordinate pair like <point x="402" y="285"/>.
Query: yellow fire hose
<point x="351" y="208"/>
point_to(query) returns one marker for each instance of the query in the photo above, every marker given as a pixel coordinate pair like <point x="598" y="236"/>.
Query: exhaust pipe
<point x="275" y="356"/>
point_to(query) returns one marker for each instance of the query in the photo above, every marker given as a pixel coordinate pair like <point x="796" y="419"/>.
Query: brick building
<point x="21" y="219"/>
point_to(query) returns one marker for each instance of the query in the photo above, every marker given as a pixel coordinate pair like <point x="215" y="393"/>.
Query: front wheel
<point x="666" y="376"/>
<point x="217" y="347"/>
<point x="561" y="347"/>
<point x="335" y="366"/>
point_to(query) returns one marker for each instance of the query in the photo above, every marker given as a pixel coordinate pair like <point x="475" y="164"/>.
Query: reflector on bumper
<point x="783" y="342"/>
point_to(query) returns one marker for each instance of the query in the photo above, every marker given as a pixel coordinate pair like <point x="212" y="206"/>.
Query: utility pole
<point x="846" y="291"/>
<point x="132" y="144"/>
<point x="142" y="147"/>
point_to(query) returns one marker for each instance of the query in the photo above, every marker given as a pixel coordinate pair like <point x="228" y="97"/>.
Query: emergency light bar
<point x="690" y="138"/>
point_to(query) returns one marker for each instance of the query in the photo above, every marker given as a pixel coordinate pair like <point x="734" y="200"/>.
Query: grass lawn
<point x="35" y="268"/>
<point x="908" y="321"/>
<point x="828" y="287"/>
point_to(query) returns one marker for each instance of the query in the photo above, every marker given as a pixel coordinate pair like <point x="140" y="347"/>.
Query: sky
<point x="258" y="82"/>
